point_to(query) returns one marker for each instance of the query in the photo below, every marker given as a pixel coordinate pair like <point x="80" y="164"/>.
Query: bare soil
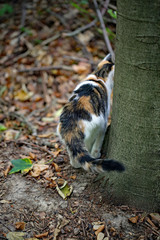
<point x="26" y="199"/>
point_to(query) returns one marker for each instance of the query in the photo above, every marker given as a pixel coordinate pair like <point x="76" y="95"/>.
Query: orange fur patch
<point x="100" y="65"/>
<point x="85" y="104"/>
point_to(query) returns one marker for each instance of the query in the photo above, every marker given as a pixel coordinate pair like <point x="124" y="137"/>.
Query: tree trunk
<point x="134" y="137"/>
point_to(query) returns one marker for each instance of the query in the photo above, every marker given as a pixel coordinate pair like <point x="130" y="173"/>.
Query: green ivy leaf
<point x="2" y="128"/>
<point x="112" y="13"/>
<point x="23" y="165"/>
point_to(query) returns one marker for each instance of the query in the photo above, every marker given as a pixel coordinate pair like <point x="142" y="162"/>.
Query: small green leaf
<point x="2" y="128"/>
<point x="15" y="235"/>
<point x="75" y="5"/>
<point x="2" y="90"/>
<point x="23" y="165"/>
<point x="65" y="190"/>
<point x="112" y="13"/>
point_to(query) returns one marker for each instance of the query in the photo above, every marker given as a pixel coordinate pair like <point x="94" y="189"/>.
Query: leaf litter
<point x="40" y="66"/>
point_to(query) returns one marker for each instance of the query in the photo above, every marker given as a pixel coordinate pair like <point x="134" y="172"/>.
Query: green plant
<point x="7" y="8"/>
<point x="112" y="13"/>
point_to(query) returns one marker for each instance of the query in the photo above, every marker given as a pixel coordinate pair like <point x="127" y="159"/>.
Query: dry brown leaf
<point x="56" y="167"/>
<point x="23" y="94"/>
<point x="11" y="134"/>
<point x="20" y="225"/>
<point x="38" y="168"/>
<point x="85" y="37"/>
<point x="73" y="177"/>
<point x="133" y="219"/>
<point x="56" y="153"/>
<point x="81" y="68"/>
<point x="45" y="234"/>
<point x="7" y="169"/>
<point x="100" y="229"/>
<point x="46" y="135"/>
<point x="32" y="155"/>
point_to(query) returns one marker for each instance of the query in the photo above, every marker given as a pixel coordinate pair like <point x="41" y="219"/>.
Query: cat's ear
<point x="109" y="58"/>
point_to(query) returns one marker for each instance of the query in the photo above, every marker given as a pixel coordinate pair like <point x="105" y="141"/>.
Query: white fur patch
<point x="84" y="83"/>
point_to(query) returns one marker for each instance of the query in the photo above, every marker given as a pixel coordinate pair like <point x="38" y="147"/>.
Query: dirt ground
<point x="46" y="49"/>
<point x="29" y="200"/>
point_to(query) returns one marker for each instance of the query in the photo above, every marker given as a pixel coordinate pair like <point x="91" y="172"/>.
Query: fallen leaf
<point x="20" y="225"/>
<point x="65" y="190"/>
<point x="15" y="235"/>
<point x="2" y="128"/>
<point x="23" y="94"/>
<point x="81" y="68"/>
<point x="11" y="134"/>
<point x="100" y="229"/>
<point x="7" y="169"/>
<point x="32" y="155"/>
<point x="61" y="223"/>
<point x="133" y="219"/>
<point x="46" y="135"/>
<point x="38" y="168"/>
<point x="85" y="37"/>
<point x="23" y="165"/>
<point x="31" y="239"/>
<point x="45" y="234"/>
<point x="4" y="201"/>
<point x="100" y="236"/>
<point x="47" y="119"/>
<point x="73" y="177"/>
<point x="56" y="167"/>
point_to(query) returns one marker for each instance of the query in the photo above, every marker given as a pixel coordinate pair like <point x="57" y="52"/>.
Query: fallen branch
<point x="51" y="39"/>
<point x="107" y="42"/>
<point x="46" y="68"/>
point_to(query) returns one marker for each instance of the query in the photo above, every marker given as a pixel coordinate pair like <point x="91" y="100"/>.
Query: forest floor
<point x="42" y="60"/>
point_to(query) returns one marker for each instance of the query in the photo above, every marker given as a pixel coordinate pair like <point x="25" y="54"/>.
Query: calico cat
<point x="84" y="118"/>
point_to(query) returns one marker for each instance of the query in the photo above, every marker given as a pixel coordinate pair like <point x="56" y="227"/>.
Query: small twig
<point x="78" y="59"/>
<point x="89" y="25"/>
<point x="46" y="68"/>
<point x="24" y="120"/>
<point x="112" y="6"/>
<point x="84" y="49"/>
<point x="44" y="76"/>
<point x="108" y="44"/>
<point x="51" y="39"/>
<point x="84" y="232"/>
<point x="23" y="16"/>
<point x="81" y="29"/>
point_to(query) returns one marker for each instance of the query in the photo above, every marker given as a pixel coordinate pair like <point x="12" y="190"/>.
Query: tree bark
<point x="134" y="136"/>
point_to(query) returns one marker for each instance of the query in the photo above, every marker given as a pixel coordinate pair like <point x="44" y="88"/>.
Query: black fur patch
<point x="69" y="118"/>
<point x="84" y="90"/>
<point x="99" y="103"/>
<point x="76" y="146"/>
<point x="86" y="158"/>
<point x="112" y="165"/>
<point x="103" y="72"/>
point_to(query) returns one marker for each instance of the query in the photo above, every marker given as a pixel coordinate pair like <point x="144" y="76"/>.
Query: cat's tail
<point x="100" y="165"/>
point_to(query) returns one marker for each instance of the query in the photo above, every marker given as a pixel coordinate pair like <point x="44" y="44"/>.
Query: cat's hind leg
<point x="97" y="145"/>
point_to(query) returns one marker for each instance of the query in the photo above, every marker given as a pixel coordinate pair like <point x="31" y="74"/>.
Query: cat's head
<point x="105" y="67"/>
